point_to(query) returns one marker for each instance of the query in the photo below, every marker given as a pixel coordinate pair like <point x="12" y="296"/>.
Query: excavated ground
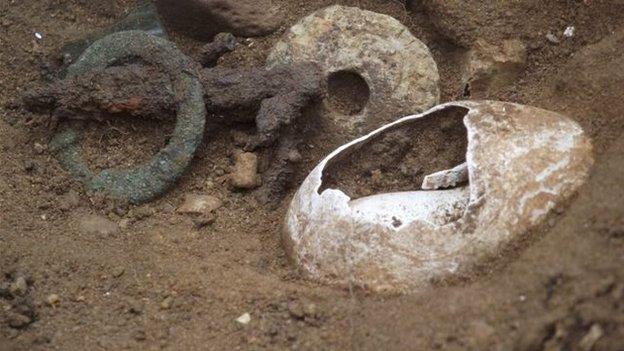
<point x="161" y="282"/>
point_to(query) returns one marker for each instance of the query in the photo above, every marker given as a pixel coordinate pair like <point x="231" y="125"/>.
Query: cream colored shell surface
<point x="522" y="161"/>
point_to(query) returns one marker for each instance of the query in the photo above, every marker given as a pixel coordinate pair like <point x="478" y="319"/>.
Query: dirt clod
<point x="581" y="77"/>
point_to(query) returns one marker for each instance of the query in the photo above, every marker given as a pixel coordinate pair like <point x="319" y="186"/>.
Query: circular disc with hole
<point x="376" y="69"/>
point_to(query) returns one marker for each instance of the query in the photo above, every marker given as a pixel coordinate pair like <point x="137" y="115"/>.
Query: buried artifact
<point x="521" y="162"/>
<point x="144" y="182"/>
<point x="148" y="77"/>
<point x="388" y="71"/>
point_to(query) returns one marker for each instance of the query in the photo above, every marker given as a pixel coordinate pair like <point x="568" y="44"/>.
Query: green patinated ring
<point x="151" y="179"/>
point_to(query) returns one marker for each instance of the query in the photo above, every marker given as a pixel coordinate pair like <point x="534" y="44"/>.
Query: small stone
<point x="552" y="38"/>
<point x="244" y="319"/>
<point x="589" y="340"/>
<point x="39" y="148"/>
<point x="294" y="156"/>
<point x="205" y="18"/>
<point x="166" y="303"/>
<point x="489" y="67"/>
<point x="199" y="204"/>
<point x="569" y="31"/>
<point x="95" y="224"/>
<point x="53" y="300"/>
<point x="19" y="287"/>
<point x="245" y="173"/>
<point x="118" y="272"/>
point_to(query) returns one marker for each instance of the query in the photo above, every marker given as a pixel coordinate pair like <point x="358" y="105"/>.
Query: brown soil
<point x="161" y="282"/>
<point x="400" y="158"/>
<point x="347" y="92"/>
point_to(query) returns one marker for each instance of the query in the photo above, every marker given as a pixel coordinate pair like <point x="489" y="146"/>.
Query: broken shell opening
<point x="348" y="92"/>
<point x="523" y="162"/>
<point x="403" y="157"/>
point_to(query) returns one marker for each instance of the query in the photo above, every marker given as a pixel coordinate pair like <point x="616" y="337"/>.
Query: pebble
<point x="245" y="172"/>
<point x="294" y="156"/>
<point x="95" y="224"/>
<point x="589" y="340"/>
<point x="166" y="303"/>
<point x="491" y="66"/>
<point x="569" y="32"/>
<point x="199" y="204"/>
<point x="118" y="272"/>
<point x="244" y="319"/>
<point x="19" y="287"/>
<point x="552" y="38"/>
<point x="53" y="300"/>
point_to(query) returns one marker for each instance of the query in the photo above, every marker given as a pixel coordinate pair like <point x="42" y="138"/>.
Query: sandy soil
<point x="159" y="282"/>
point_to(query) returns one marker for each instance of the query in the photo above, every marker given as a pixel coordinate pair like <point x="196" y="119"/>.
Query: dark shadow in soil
<point x="348" y="92"/>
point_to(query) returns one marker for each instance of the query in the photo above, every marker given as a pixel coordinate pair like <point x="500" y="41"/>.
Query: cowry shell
<point x="521" y="161"/>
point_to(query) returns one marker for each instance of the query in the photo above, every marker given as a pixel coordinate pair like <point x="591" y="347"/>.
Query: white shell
<point x="522" y="161"/>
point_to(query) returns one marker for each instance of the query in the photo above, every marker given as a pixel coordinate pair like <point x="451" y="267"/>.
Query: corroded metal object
<point x="521" y="161"/>
<point x="146" y="181"/>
